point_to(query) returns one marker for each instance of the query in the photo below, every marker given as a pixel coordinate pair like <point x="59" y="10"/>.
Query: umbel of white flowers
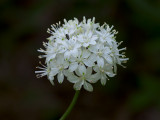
<point x="84" y="52"/>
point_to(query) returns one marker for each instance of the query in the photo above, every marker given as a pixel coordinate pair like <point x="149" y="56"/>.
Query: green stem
<point x="70" y="106"/>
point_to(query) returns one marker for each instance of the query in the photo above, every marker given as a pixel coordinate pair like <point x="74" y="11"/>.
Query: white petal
<point x="103" y="79"/>
<point x="84" y="19"/>
<point x="73" y="66"/>
<point x="51" y="78"/>
<point x="67" y="54"/>
<point x="50" y="57"/>
<point x="60" y="77"/>
<point x="109" y="59"/>
<point x="51" y="82"/>
<point x="93" y="48"/>
<point x="77" y="45"/>
<point x="109" y="40"/>
<point x="53" y="63"/>
<point x="100" y="61"/>
<point x="54" y="71"/>
<point x="79" y="52"/>
<point x="108" y="67"/>
<point x="73" y="79"/>
<point x="96" y="68"/>
<point x="67" y="73"/>
<point x="72" y="59"/>
<point x="80" y="38"/>
<point x="90" y="61"/>
<point x="115" y="68"/>
<point x="88" y="72"/>
<point x="94" y="78"/>
<point x="75" y="52"/>
<point x="92" y="58"/>
<point x="71" y="31"/>
<point x="106" y="50"/>
<point x="65" y="64"/>
<point x="94" y="38"/>
<point x="85" y="44"/>
<point x="60" y="59"/>
<point x="86" y="53"/>
<point x="65" y="44"/>
<point x="82" y="69"/>
<point x="102" y="40"/>
<point x="77" y="72"/>
<point x="78" y="85"/>
<point x="89" y="34"/>
<point x="99" y="33"/>
<point x="110" y="74"/>
<point x="88" y="86"/>
<point x="92" y="42"/>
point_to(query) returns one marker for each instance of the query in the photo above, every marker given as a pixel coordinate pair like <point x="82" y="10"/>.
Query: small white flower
<point x="87" y="39"/>
<point x="84" y="52"/>
<point x="102" y="53"/>
<point x="103" y="72"/>
<point x="80" y="61"/>
<point x="82" y="79"/>
<point x="71" y="47"/>
<point x="57" y="67"/>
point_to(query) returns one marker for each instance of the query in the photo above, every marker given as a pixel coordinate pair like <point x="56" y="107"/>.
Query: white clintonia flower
<point x="84" y="52"/>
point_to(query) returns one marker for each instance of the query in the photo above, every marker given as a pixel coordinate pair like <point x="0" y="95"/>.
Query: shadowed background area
<point x="134" y="94"/>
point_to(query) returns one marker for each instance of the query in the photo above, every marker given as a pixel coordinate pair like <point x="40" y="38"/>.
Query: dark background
<point x="134" y="94"/>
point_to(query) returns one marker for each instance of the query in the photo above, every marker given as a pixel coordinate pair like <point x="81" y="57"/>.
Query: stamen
<point x="122" y="49"/>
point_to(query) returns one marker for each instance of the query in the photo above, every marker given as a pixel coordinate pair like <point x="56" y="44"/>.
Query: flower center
<point x="100" y="53"/>
<point x="70" y="47"/>
<point x="60" y="67"/>
<point x="82" y="77"/>
<point x="102" y="71"/>
<point x="86" y="40"/>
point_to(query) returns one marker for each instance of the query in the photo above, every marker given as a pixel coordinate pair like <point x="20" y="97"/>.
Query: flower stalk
<point x="69" y="109"/>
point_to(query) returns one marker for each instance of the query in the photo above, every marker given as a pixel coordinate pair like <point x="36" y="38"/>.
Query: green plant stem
<point x="71" y="105"/>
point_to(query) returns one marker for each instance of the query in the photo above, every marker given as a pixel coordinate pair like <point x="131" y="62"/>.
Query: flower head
<point x="83" y="52"/>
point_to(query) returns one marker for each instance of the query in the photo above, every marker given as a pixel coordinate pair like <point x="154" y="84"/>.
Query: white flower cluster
<point x="84" y="52"/>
